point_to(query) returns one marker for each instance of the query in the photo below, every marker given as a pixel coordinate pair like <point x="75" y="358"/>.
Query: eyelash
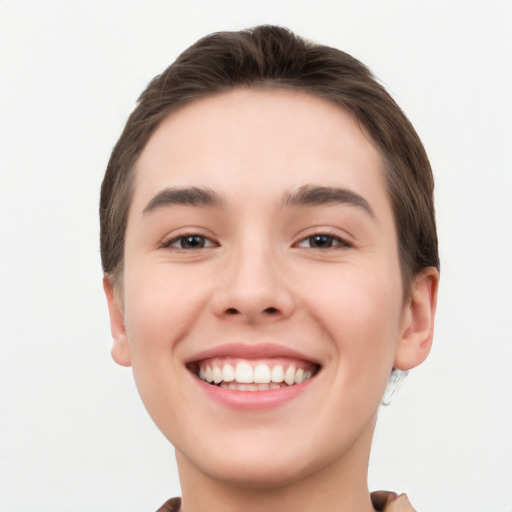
<point x="169" y="244"/>
<point x="335" y="242"/>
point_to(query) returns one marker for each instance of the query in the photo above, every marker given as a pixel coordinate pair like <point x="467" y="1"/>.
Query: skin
<point x="260" y="278"/>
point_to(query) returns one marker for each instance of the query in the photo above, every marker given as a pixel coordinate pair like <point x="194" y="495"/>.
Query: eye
<point x="323" y="241"/>
<point x="189" y="242"/>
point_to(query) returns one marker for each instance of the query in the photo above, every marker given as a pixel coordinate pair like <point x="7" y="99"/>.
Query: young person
<point x="270" y="255"/>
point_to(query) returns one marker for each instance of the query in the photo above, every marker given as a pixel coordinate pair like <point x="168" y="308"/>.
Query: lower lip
<point x="252" y="400"/>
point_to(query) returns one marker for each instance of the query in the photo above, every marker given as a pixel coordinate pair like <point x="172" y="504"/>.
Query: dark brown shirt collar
<point x="382" y="501"/>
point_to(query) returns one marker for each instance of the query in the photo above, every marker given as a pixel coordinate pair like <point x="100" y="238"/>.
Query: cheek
<point x="360" y="298"/>
<point x="160" y="310"/>
<point x="360" y="311"/>
<point x="161" y="306"/>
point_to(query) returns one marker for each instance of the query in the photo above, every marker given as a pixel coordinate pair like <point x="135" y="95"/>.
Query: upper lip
<point x="250" y="351"/>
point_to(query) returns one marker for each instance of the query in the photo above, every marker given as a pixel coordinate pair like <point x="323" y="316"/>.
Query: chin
<point x="256" y="473"/>
<point x="261" y="463"/>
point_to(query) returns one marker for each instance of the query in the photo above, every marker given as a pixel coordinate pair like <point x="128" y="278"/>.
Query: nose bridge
<point x="252" y="284"/>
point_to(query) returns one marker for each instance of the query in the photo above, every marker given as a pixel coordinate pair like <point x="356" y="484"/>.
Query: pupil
<point x="192" y="242"/>
<point x="321" y="241"/>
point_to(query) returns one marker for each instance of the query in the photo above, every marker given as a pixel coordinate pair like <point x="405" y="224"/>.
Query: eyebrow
<point x="307" y="195"/>
<point x="190" y="196"/>
<point x="313" y="195"/>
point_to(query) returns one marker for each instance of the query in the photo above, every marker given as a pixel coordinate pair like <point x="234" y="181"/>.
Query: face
<point x="262" y="295"/>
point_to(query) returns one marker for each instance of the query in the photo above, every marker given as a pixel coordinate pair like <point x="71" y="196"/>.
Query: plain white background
<point x="73" y="433"/>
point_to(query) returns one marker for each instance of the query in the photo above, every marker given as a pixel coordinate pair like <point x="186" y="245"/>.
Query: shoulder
<point x="391" y="502"/>
<point x="172" y="505"/>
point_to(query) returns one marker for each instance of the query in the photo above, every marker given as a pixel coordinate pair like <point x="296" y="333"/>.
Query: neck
<point x="339" y="486"/>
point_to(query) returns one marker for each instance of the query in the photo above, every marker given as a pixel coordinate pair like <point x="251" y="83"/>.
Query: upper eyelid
<point x="343" y="240"/>
<point x="169" y="240"/>
<point x="346" y="239"/>
<point x="333" y="232"/>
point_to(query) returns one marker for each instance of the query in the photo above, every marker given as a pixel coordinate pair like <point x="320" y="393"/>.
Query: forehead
<point x="263" y="140"/>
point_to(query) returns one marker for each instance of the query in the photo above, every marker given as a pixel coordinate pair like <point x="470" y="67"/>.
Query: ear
<point x="418" y="321"/>
<point x="120" y="348"/>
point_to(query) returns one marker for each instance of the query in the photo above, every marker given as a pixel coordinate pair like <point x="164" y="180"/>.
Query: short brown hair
<point x="274" y="57"/>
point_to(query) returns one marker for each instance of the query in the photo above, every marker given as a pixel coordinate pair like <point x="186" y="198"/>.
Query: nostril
<point x="270" y="311"/>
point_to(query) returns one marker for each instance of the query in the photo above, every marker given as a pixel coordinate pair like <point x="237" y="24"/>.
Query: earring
<point x="394" y="383"/>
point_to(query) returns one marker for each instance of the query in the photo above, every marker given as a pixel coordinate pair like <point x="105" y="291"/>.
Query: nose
<point x="252" y="287"/>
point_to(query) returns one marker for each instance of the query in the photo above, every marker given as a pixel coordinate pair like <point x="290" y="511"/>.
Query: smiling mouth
<point x="253" y="375"/>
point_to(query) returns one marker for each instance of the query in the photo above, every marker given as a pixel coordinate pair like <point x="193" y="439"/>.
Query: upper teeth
<point x="245" y="373"/>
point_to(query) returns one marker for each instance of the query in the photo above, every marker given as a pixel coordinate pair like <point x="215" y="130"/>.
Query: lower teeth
<point x="251" y="387"/>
